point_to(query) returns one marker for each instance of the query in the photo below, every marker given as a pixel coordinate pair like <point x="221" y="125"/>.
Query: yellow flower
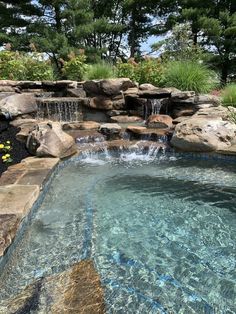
<point x="4" y="157"/>
<point x="8" y="147"/>
<point x="7" y="155"/>
<point x="8" y="142"/>
<point x="1" y="146"/>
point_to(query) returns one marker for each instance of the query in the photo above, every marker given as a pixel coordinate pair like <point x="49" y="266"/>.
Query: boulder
<point x="101" y="102"/>
<point x="176" y="96"/>
<point x="159" y="121"/>
<point x="219" y="112"/>
<point x="109" y="87"/>
<point x="17" y="104"/>
<point x="48" y="139"/>
<point x="204" y="135"/>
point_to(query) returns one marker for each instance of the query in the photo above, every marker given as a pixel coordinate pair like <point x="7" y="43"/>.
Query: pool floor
<point x="161" y="233"/>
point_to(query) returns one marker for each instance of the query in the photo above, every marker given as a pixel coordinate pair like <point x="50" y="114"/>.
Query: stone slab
<point x="17" y="199"/>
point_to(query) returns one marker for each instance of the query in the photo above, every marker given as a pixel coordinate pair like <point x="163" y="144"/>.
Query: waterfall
<point x="152" y="106"/>
<point x="64" y="109"/>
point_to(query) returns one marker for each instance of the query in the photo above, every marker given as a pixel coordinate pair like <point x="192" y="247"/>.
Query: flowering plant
<point x="5" y="148"/>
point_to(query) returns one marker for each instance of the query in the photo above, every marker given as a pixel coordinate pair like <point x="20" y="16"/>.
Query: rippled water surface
<point x="160" y="230"/>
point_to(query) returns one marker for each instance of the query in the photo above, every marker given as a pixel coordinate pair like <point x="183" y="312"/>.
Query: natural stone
<point x="126" y="119"/>
<point x="109" y="87"/>
<point x="76" y="92"/>
<point x="219" y="112"/>
<point x="76" y="290"/>
<point x="86" y="125"/>
<point x="114" y="113"/>
<point x="25" y="125"/>
<point x="207" y="99"/>
<point x="8" y="227"/>
<point x="17" y="199"/>
<point x="176" y="96"/>
<point x="101" y="103"/>
<point x="48" y="139"/>
<point x="200" y="134"/>
<point x="17" y="104"/>
<point x="160" y="121"/>
<point x="111" y="130"/>
<point x="147" y="86"/>
<point x="156" y="93"/>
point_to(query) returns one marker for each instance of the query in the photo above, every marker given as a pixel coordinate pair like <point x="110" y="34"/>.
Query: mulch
<point x="18" y="152"/>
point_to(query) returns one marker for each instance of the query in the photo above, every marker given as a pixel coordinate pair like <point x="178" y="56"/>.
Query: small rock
<point x="159" y="121"/>
<point x="111" y="130"/>
<point x="126" y="119"/>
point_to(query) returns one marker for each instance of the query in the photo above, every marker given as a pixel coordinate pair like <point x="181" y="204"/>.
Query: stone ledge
<point x="20" y="187"/>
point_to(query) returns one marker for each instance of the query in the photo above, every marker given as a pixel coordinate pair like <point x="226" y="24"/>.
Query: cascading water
<point x="153" y="106"/>
<point x="59" y="109"/>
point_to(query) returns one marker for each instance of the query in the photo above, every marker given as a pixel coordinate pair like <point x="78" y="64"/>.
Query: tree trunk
<point x="225" y="71"/>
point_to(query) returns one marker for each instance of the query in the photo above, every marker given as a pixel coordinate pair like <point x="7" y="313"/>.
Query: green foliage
<point x="147" y="71"/>
<point x="20" y="66"/>
<point x="229" y="96"/>
<point x="75" y="68"/>
<point x="126" y="70"/>
<point x="189" y="75"/>
<point x="98" y="71"/>
<point x="179" y="45"/>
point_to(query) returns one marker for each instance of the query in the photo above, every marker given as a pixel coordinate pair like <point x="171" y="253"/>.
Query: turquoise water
<point x="161" y="232"/>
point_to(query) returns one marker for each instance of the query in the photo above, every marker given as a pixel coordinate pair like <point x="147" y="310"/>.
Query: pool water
<point x="161" y="232"/>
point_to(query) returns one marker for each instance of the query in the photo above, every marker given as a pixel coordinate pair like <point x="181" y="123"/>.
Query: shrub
<point x="11" y="66"/>
<point x="229" y="96"/>
<point x="20" y="66"/>
<point x="126" y="70"/>
<point x="147" y="71"/>
<point x="98" y="71"/>
<point x="5" y="149"/>
<point x="190" y="75"/>
<point x="37" y="68"/>
<point x="75" y="68"/>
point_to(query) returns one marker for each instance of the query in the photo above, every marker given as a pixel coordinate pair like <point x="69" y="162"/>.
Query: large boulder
<point x="160" y="121"/>
<point x="17" y="104"/>
<point x="109" y="87"/>
<point x="204" y="135"/>
<point x="48" y="139"/>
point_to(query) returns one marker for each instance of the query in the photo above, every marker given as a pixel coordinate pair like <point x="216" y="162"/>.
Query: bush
<point x="229" y="96"/>
<point x="98" y="71"/>
<point x="75" y="68"/>
<point x="147" y="71"/>
<point x="189" y="75"/>
<point x="11" y="66"/>
<point x="20" y="66"/>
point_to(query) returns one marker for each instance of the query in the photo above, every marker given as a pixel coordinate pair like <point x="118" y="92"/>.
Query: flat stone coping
<point x="20" y="187"/>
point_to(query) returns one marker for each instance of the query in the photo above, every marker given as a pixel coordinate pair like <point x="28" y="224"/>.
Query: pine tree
<point x="15" y="16"/>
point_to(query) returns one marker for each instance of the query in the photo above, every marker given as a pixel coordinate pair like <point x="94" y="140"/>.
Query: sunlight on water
<point x="161" y="230"/>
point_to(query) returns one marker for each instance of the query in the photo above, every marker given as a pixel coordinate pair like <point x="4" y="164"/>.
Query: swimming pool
<point x="161" y="232"/>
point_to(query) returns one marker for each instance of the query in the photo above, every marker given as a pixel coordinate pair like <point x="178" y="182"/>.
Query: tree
<point x="15" y="16"/>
